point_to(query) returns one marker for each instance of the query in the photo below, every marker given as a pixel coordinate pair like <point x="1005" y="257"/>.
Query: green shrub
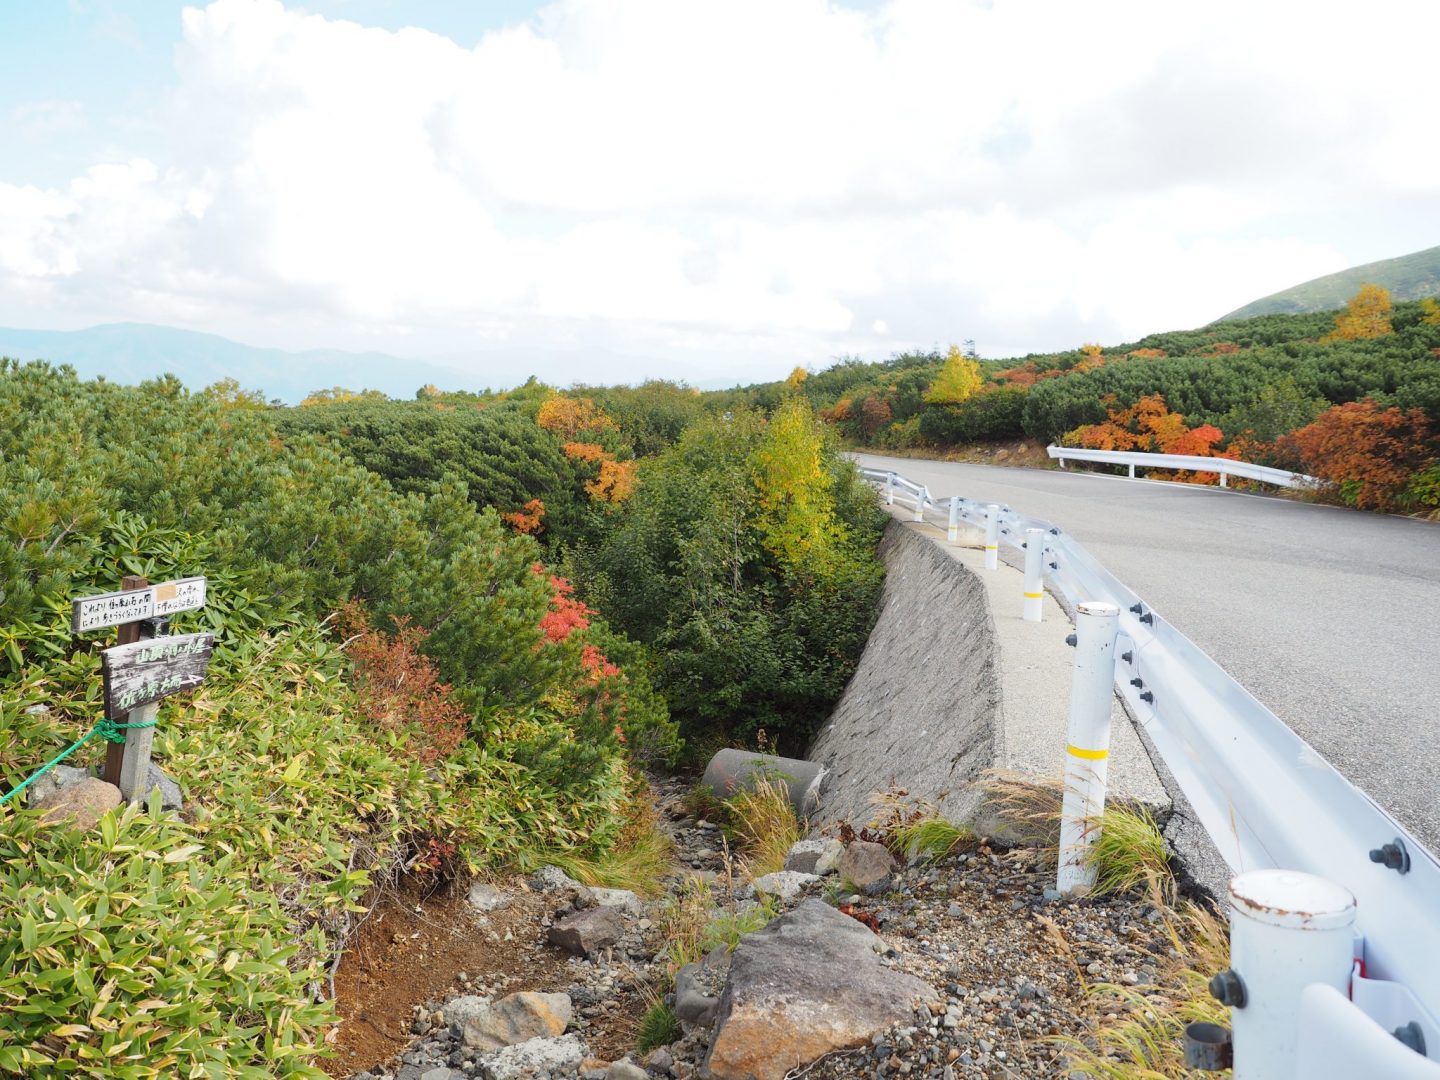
<point x="990" y="416"/>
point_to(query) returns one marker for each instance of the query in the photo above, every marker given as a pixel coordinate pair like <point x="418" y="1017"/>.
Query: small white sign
<point x="113" y="609"/>
<point x="186" y="594"/>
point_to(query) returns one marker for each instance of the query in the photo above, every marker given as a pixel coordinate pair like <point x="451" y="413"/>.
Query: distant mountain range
<point x="1409" y="277"/>
<point x="133" y="352"/>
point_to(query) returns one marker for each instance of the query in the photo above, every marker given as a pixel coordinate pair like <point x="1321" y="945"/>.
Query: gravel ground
<point x="1010" y="969"/>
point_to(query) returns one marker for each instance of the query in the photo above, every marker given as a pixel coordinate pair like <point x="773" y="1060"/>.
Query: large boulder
<point x="82" y="803"/>
<point x="867" y="866"/>
<point x="586" y="932"/>
<point x="809" y="983"/>
<point x="461" y="1010"/>
<point x="517" y="1018"/>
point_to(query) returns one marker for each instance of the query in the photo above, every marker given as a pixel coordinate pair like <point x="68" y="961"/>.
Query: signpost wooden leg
<point x="135" y="768"/>
<point x="115" y="752"/>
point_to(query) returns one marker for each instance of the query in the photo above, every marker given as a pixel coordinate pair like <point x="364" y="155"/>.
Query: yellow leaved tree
<point x="798" y="525"/>
<point x="958" y="380"/>
<point x="1367" y="315"/>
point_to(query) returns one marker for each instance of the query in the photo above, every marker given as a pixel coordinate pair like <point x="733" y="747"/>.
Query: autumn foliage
<point x="527" y="520"/>
<point x="1366" y="455"/>
<point x="398" y="686"/>
<point x="1367" y="315"/>
<point x="571" y="417"/>
<point x="1150" y="426"/>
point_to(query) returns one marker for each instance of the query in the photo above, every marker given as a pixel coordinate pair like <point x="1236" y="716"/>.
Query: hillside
<point x="130" y="353"/>
<point x="1408" y="277"/>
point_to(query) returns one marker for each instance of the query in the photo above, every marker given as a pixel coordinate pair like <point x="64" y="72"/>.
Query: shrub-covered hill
<point x="1408" y="277"/>
<point x="322" y="752"/>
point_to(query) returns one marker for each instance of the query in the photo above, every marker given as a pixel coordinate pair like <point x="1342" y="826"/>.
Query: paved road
<point x="1330" y="617"/>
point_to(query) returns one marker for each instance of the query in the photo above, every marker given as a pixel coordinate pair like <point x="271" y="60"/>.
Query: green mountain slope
<point x="1409" y="277"/>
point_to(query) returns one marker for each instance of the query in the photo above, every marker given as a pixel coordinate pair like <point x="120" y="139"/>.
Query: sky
<point x="707" y="190"/>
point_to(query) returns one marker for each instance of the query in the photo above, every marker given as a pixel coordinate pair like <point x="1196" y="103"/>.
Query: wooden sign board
<point x="152" y="669"/>
<point x="113" y="609"/>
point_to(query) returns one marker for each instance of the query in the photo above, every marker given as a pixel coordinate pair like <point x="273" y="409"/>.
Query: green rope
<point x="109" y="729"/>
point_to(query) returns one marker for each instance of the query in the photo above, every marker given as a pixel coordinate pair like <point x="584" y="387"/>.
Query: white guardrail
<point x="1187" y="462"/>
<point x="1266" y="798"/>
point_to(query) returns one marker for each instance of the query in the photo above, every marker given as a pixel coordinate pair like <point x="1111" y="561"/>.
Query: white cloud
<point x="43" y="119"/>
<point x="742" y="178"/>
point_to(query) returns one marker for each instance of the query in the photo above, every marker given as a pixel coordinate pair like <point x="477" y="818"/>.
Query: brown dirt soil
<point x="413" y="945"/>
<point x="409" y="951"/>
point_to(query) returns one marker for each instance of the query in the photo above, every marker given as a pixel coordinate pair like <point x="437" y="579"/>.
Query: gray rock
<point x="487" y="898"/>
<point x="619" y="899"/>
<point x="867" y="866"/>
<point x="442" y="1073"/>
<point x="53" y="782"/>
<point x="461" y="1010"/>
<point x="660" y="1059"/>
<point x="170" y="797"/>
<point x="625" y="1069"/>
<point x="698" y="987"/>
<point x="587" y="932"/>
<point x="408" y="1072"/>
<point x="550" y="879"/>
<point x="819" y="857"/>
<point x="809" y="983"/>
<point x="535" y="1056"/>
<point x="82" y="804"/>
<point x="784" y="884"/>
<point x="517" y="1018"/>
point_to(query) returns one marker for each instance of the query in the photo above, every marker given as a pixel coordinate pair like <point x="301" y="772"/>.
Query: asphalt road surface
<point x="1328" y="616"/>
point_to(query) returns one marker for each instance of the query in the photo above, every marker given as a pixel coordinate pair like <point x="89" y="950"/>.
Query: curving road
<point x="1328" y="616"/>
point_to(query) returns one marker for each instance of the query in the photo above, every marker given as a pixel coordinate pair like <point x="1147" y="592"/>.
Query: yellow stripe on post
<point x="1033" y="595"/>
<point x="1088" y="755"/>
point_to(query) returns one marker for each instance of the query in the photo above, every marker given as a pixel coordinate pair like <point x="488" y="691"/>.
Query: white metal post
<point x="889" y="489"/>
<point x="1224" y="478"/>
<point x="1034" y="574"/>
<point x="1288" y="930"/>
<point x="954" y="531"/>
<point x="1091" y="688"/>
<point x="992" y="537"/>
<point x="1132" y="471"/>
<point x="920" y="497"/>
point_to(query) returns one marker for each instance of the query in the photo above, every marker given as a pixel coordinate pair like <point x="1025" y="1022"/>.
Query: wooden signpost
<point x="143" y="668"/>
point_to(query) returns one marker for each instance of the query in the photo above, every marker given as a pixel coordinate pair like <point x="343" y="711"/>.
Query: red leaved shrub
<point x="1366" y="455"/>
<point x="398" y="684"/>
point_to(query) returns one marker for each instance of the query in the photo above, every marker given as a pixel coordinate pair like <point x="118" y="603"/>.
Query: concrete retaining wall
<point x="929" y="735"/>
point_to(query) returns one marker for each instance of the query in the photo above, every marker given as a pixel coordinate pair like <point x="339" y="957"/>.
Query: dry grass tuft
<point x="1139" y="1035"/>
<point x="764" y="826"/>
<point x="639" y="861"/>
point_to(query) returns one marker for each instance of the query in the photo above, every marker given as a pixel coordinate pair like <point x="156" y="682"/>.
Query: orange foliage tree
<point x="1150" y="426"/>
<point x="1366" y="455"/>
<point x="527" y="520"/>
<point x="1367" y="315"/>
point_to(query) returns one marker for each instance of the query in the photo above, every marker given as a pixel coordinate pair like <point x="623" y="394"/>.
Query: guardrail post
<point x="889" y="489"/>
<point x="1224" y="479"/>
<point x="1288" y="930"/>
<point x="920" y="498"/>
<point x="1034" y="574"/>
<point x="954" y="531"/>
<point x="1091" y="688"/>
<point x="1132" y="471"/>
<point x="992" y="537"/>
